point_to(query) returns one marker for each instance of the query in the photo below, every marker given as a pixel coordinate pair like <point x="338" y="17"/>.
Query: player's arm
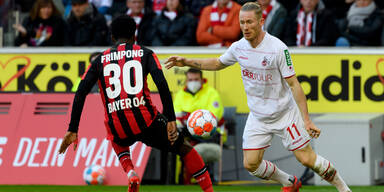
<point x="165" y="95"/>
<point x="301" y="101"/>
<point x="210" y="64"/>
<point x="85" y="86"/>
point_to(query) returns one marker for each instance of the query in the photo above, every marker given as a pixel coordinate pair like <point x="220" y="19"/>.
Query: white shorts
<point x="290" y="127"/>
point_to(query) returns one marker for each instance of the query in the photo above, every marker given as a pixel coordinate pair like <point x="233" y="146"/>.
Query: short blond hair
<point x="253" y="6"/>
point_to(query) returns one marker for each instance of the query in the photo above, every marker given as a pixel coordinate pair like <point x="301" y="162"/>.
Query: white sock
<point x="281" y="177"/>
<point x="339" y="183"/>
<point x="327" y="171"/>
<point x="268" y="170"/>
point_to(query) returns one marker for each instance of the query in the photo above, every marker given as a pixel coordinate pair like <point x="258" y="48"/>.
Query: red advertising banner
<point x="31" y="131"/>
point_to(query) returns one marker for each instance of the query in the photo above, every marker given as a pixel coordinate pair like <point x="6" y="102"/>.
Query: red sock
<point x="195" y="165"/>
<point x="124" y="156"/>
<point x="126" y="163"/>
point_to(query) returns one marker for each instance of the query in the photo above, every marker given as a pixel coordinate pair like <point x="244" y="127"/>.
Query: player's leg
<point x="321" y="166"/>
<point x="156" y="136"/>
<point x="264" y="169"/>
<point x="296" y="139"/>
<point x="123" y="153"/>
<point x="194" y="164"/>
<point x="255" y="139"/>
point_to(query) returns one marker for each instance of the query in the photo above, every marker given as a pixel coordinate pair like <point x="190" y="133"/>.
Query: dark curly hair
<point x="123" y="27"/>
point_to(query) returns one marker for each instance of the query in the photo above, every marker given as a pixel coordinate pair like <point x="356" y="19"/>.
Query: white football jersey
<point x="263" y="70"/>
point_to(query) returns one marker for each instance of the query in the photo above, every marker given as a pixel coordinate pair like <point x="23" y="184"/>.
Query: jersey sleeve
<point x="285" y="64"/>
<point x="162" y="85"/>
<point x="228" y="58"/>
<point x="85" y="86"/>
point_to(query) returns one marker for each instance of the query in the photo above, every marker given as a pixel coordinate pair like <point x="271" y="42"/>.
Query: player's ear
<point x="262" y="20"/>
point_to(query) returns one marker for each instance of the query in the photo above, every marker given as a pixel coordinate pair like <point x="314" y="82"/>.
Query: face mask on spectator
<point x="193" y="86"/>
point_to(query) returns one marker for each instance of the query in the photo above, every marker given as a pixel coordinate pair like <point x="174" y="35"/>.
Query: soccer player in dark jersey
<point x="121" y="73"/>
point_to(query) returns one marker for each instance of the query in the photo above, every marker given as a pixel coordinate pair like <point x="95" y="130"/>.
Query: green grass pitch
<point x="174" y="188"/>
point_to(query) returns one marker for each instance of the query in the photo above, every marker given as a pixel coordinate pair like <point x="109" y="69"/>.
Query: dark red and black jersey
<point x="121" y="73"/>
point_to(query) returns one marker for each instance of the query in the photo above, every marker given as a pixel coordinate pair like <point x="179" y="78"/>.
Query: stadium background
<point x="341" y="81"/>
<point x="345" y="99"/>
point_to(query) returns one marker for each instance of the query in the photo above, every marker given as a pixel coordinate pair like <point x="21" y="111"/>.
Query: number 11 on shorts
<point x="290" y="132"/>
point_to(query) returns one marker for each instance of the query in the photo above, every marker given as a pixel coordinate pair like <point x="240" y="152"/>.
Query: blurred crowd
<point x="212" y="23"/>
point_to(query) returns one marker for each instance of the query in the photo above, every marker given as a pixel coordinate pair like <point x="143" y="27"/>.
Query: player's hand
<point x="70" y="137"/>
<point x="172" y="132"/>
<point x="313" y="131"/>
<point x="175" y="61"/>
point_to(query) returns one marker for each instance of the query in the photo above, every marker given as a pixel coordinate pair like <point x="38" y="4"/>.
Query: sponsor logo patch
<point x="288" y="57"/>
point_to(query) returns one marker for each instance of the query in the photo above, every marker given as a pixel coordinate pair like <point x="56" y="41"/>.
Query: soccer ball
<point x="202" y="124"/>
<point x="94" y="175"/>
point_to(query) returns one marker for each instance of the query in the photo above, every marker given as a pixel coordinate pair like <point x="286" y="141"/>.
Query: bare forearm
<point x="301" y="101"/>
<point x="210" y="64"/>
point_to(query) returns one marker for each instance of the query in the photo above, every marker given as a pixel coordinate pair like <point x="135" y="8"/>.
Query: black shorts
<point x="156" y="136"/>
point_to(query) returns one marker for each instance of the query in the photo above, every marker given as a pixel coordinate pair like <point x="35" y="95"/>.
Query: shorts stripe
<point x="248" y="149"/>
<point x="300" y="145"/>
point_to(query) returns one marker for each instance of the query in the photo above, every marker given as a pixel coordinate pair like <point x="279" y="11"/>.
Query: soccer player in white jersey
<point x="276" y="100"/>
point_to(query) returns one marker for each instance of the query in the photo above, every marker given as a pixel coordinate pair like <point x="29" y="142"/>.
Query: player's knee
<point x="306" y="160"/>
<point x="252" y="166"/>
<point x="184" y="149"/>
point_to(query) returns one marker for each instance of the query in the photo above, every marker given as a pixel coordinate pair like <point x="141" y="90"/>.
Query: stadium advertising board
<point x="345" y="82"/>
<point x="32" y="127"/>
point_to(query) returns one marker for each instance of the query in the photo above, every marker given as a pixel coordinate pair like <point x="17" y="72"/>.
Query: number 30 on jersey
<point x="126" y="79"/>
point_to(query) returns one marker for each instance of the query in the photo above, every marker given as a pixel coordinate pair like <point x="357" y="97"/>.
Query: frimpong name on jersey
<point x="114" y="56"/>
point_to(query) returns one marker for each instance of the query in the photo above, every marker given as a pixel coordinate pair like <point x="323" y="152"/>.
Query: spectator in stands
<point x="24" y="6"/>
<point x="102" y="6"/>
<point x="119" y="7"/>
<point x="87" y="27"/>
<point x="43" y="27"/>
<point x="219" y="24"/>
<point x="143" y="17"/>
<point x="67" y="8"/>
<point x="198" y="95"/>
<point x="362" y="26"/>
<point x="174" y="27"/>
<point x="4" y="12"/>
<point x="338" y="7"/>
<point x="158" y="6"/>
<point x="311" y="25"/>
<point x="274" y="14"/>
<point x="195" y="7"/>
<point x="290" y="5"/>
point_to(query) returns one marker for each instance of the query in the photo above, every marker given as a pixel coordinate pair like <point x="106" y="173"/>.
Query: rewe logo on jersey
<point x="257" y="76"/>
